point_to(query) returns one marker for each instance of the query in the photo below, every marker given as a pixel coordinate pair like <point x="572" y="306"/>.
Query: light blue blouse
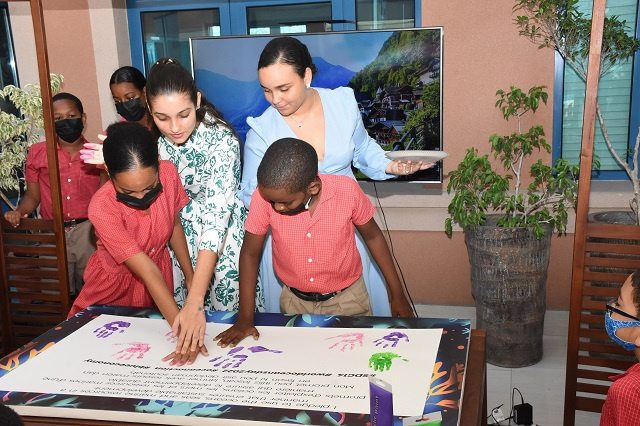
<point x="346" y="141"/>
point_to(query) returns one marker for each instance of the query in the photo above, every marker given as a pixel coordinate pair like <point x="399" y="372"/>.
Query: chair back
<point x="34" y="293"/>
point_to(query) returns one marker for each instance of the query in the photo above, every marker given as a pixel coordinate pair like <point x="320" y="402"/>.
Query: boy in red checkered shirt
<point x="622" y="407"/>
<point x="312" y="218"/>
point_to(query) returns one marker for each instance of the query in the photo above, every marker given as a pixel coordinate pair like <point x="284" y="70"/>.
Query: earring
<point x="308" y="85"/>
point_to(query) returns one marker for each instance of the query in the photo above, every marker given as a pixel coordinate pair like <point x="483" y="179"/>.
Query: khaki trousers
<point x="80" y="247"/>
<point x="353" y="300"/>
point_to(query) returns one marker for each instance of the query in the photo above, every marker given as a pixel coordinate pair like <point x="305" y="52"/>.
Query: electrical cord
<point x="393" y="254"/>
<point x="496" y="422"/>
<point x="512" y="404"/>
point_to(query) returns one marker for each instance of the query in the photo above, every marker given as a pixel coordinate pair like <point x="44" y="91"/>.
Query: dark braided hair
<point x="289" y="164"/>
<point x="129" y="146"/>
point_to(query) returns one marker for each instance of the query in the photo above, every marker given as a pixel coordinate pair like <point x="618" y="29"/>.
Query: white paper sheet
<point x="288" y="367"/>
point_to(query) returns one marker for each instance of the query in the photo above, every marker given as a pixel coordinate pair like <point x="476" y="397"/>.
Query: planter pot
<point x="508" y="282"/>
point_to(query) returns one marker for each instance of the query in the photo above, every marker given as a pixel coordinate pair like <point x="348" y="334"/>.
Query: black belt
<point x="73" y="222"/>
<point x="313" y="297"/>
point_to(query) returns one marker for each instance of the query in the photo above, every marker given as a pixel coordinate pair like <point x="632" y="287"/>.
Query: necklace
<point x="299" y="123"/>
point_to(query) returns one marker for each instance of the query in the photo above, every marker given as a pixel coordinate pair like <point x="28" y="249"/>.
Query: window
<point x="8" y="73"/>
<point x="381" y="14"/>
<point x="293" y="18"/>
<point x="166" y="33"/>
<point x="614" y="97"/>
<point x="157" y="28"/>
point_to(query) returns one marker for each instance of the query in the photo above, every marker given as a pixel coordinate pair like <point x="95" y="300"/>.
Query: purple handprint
<point x="234" y="360"/>
<point x="256" y="349"/>
<point x="391" y="339"/>
<point x="110" y="328"/>
<point x="136" y="349"/>
<point x="349" y="340"/>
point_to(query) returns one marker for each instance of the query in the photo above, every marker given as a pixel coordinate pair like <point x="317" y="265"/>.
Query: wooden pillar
<point x="582" y="211"/>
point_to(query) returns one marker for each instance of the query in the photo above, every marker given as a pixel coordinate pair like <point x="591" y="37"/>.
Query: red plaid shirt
<point x="316" y="253"/>
<point x="622" y="407"/>
<point x="78" y="181"/>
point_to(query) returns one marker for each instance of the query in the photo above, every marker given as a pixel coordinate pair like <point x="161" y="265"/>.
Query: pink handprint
<point x="171" y="339"/>
<point x="233" y="359"/>
<point x="349" y="340"/>
<point x="110" y="328"/>
<point x="136" y="348"/>
<point x="391" y="339"/>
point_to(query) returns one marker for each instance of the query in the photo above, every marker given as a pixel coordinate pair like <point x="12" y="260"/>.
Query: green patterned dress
<point x="209" y="166"/>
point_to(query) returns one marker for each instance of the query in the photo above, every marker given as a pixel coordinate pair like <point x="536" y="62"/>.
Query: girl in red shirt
<point x="135" y="215"/>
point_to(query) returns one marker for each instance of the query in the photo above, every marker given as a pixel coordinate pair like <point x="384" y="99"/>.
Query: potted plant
<point x="508" y="229"/>
<point x="558" y="24"/>
<point x="18" y="133"/>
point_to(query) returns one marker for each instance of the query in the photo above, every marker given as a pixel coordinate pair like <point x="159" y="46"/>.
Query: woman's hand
<point x="404" y="168"/>
<point x="189" y="325"/>
<point x="179" y="359"/>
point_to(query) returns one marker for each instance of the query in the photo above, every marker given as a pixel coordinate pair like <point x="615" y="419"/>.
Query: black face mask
<point x="132" y="110"/>
<point x="70" y="129"/>
<point x="303" y="206"/>
<point x="140" y="203"/>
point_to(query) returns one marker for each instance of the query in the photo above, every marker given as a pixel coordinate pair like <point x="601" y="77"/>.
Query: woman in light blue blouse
<point x="331" y="122"/>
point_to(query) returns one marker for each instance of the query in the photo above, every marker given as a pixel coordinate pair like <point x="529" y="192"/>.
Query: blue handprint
<point x="391" y="339"/>
<point x="234" y="360"/>
<point x="110" y="328"/>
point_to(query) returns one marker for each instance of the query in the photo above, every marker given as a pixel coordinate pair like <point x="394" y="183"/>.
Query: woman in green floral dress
<point x="206" y="152"/>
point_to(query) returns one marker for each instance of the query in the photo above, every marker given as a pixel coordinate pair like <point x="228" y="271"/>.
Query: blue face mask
<point x="613" y="325"/>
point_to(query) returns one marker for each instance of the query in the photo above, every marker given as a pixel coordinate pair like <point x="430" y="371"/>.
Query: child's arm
<point x="380" y="251"/>
<point x="30" y="201"/>
<point x="249" y="260"/>
<point x="145" y="268"/>
<point x="190" y="324"/>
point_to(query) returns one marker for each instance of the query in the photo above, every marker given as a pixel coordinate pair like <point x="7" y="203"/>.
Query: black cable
<point x="393" y="254"/>
<point x="512" y="395"/>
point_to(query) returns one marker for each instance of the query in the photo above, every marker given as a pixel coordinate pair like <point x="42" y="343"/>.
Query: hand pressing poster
<point x="300" y="368"/>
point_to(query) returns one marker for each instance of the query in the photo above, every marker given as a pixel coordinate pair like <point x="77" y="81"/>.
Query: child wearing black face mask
<point x="78" y="183"/>
<point x="127" y="89"/>
<point x="135" y="215"/>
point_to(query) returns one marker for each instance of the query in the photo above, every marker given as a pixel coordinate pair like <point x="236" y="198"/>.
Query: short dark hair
<point x="635" y="290"/>
<point x="8" y="417"/>
<point x="290" y="164"/>
<point x="63" y="95"/>
<point x="128" y="74"/>
<point x="129" y="146"/>
<point x="290" y="51"/>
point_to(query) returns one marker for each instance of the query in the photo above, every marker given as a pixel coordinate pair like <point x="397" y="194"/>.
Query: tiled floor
<point x="542" y="385"/>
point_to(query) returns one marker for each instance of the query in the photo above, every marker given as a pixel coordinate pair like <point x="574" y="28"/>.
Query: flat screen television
<point x="395" y="75"/>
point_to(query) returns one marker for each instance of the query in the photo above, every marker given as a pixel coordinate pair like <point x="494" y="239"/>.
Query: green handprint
<point x="381" y="361"/>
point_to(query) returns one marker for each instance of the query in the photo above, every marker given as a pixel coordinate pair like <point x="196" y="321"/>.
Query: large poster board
<point x="310" y="370"/>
